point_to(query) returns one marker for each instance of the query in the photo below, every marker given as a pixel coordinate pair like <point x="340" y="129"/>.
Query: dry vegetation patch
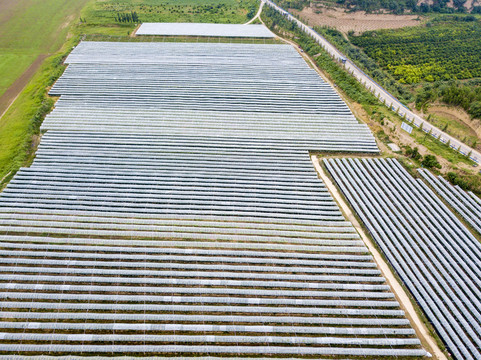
<point x="354" y="21"/>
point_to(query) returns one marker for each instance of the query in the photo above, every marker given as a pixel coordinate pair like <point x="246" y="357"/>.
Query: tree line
<point x="131" y="17"/>
<point x="466" y="95"/>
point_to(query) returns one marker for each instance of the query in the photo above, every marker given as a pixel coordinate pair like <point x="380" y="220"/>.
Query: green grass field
<point x="31" y="28"/>
<point x="28" y="29"/>
<point x="455" y="128"/>
<point x="12" y="65"/>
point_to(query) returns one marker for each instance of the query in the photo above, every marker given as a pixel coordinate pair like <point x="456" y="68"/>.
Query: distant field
<point x="12" y="65"/>
<point x="445" y="50"/>
<point x="29" y="28"/>
<point x="101" y="16"/>
<point x="354" y="21"/>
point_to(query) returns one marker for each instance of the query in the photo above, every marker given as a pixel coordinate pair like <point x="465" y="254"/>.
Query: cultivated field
<point x="358" y="22"/>
<point x="466" y="204"/>
<point x="443" y="51"/>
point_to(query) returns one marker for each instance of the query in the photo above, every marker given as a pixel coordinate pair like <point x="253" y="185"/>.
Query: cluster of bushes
<point x="429" y="161"/>
<point x="466" y="182"/>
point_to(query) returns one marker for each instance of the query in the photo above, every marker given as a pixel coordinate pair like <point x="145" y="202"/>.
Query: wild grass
<point x="36" y="27"/>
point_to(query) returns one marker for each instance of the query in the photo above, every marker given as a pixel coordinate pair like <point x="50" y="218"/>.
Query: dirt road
<point x="257" y="15"/>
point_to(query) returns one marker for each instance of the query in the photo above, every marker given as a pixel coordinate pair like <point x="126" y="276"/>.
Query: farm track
<point x="258" y="14"/>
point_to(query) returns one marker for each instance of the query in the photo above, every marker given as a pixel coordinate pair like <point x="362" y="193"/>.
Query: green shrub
<point x="430" y="161"/>
<point x="413" y="153"/>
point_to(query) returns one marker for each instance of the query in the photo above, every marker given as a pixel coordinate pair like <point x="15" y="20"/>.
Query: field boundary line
<point x="13" y="91"/>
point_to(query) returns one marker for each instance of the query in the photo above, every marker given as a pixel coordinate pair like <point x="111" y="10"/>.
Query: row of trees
<point x="131" y="17"/>
<point x="367" y="64"/>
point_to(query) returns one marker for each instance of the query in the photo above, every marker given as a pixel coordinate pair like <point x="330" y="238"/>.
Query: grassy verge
<point x="382" y="113"/>
<point x="454" y="127"/>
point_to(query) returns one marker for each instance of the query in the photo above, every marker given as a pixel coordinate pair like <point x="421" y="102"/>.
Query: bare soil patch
<point x="134" y="32"/>
<point x="7" y="8"/>
<point x="358" y="22"/>
<point x="16" y="88"/>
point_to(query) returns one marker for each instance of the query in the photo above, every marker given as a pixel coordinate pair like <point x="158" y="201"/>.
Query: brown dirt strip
<point x="7" y="8"/>
<point x="16" y="88"/>
<point x="134" y="32"/>
<point x="358" y="21"/>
